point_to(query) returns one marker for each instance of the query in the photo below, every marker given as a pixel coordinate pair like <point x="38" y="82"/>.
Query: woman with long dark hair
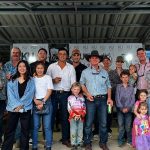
<point x="20" y="92"/>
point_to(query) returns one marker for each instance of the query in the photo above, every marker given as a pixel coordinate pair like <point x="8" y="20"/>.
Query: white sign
<point x="29" y="51"/>
<point x="110" y="49"/>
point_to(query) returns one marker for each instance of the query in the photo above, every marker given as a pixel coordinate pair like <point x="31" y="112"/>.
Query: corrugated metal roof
<point x="80" y="21"/>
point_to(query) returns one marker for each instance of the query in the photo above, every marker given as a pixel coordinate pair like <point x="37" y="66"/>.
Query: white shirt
<point x="42" y="85"/>
<point x="67" y="74"/>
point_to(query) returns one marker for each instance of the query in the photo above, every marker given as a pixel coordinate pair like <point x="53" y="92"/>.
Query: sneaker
<point x="129" y="144"/>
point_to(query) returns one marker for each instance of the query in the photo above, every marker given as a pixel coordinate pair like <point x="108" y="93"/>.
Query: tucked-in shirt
<point x="96" y="82"/>
<point x="42" y="85"/>
<point x="125" y="97"/>
<point x="67" y="74"/>
<point x="76" y="106"/>
<point x="9" y="68"/>
<point x="142" y="70"/>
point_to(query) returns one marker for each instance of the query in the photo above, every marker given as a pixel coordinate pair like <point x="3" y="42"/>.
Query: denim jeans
<point x="125" y="123"/>
<point x="2" y="109"/>
<point x="47" y="127"/>
<point x="60" y="100"/>
<point x="99" y="104"/>
<point x="76" y="132"/>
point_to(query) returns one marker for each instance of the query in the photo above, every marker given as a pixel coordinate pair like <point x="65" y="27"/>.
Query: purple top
<point x="125" y="97"/>
<point x="143" y="125"/>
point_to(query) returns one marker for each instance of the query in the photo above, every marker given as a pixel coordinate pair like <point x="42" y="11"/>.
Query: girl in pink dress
<point x="142" y="98"/>
<point x="142" y="128"/>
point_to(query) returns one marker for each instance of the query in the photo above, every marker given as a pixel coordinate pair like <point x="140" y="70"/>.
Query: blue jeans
<point x="125" y="123"/>
<point x="47" y="127"/>
<point x="99" y="104"/>
<point x="76" y="132"/>
<point x="60" y="99"/>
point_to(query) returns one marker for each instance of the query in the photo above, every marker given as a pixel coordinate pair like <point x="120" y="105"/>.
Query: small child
<point x="125" y="99"/>
<point x="142" y="95"/>
<point x="133" y="75"/>
<point x="142" y="128"/>
<point x="77" y="111"/>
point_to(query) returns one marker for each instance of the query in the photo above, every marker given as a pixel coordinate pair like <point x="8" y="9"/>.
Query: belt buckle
<point x="61" y="91"/>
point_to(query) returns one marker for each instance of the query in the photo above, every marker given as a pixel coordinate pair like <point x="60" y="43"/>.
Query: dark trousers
<point x="60" y="100"/>
<point x="2" y="109"/>
<point x="13" y="119"/>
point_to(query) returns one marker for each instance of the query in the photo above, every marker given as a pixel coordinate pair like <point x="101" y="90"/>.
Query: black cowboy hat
<point x="93" y="53"/>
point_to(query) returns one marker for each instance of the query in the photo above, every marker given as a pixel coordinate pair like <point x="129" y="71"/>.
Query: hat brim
<point x="87" y="56"/>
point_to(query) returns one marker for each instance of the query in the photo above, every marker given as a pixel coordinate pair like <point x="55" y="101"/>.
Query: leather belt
<point x="60" y="91"/>
<point x="100" y="96"/>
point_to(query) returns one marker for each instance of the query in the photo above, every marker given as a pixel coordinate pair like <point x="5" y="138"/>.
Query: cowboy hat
<point x="93" y="53"/>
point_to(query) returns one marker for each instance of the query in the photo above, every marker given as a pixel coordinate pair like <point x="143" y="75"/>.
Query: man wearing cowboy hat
<point x="96" y="86"/>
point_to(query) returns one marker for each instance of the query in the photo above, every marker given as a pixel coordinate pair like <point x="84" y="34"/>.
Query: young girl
<point x="77" y="111"/>
<point x="142" y="98"/>
<point x="133" y="75"/>
<point x="142" y="128"/>
<point x="42" y="105"/>
<point x="20" y="91"/>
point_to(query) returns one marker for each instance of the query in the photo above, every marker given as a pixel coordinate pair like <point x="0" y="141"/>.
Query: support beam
<point x="80" y="26"/>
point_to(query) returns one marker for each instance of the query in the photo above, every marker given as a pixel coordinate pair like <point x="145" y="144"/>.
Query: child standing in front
<point x="77" y="111"/>
<point x="142" y="96"/>
<point x="125" y="99"/>
<point x="142" y="128"/>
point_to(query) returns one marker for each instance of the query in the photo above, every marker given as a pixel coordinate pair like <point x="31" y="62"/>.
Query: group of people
<point x="81" y="93"/>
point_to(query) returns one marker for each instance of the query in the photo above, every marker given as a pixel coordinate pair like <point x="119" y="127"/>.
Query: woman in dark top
<point x="20" y="92"/>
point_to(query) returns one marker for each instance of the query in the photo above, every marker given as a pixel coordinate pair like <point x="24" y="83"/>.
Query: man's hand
<point x="109" y="101"/>
<point x="57" y="79"/>
<point x="90" y="97"/>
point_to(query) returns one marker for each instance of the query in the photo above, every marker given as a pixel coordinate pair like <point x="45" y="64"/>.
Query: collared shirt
<point x="142" y="70"/>
<point x="125" y="97"/>
<point x="97" y="83"/>
<point x="9" y="68"/>
<point x="67" y="74"/>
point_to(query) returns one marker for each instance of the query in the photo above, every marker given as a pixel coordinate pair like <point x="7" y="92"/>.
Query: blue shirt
<point x="125" y="97"/>
<point x="13" y="96"/>
<point x="96" y="82"/>
<point x="9" y="68"/>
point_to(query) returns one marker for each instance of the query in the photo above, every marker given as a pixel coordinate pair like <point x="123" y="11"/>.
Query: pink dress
<point x="142" y="140"/>
<point x="137" y="103"/>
